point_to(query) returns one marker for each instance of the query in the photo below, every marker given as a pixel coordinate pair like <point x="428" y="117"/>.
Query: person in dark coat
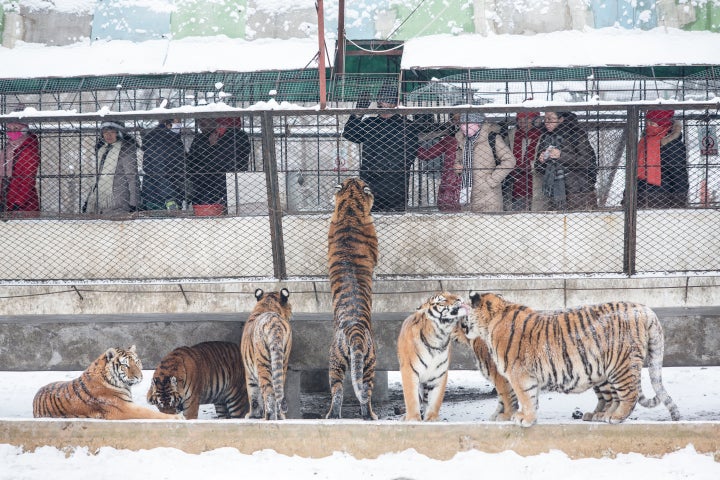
<point x="567" y="162"/>
<point x="163" y="185"/>
<point x="662" y="163"/>
<point x="389" y="146"/>
<point x="523" y="141"/>
<point x="221" y="148"/>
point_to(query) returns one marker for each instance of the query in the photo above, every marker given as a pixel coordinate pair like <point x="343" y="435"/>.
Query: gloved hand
<point x="363" y="100"/>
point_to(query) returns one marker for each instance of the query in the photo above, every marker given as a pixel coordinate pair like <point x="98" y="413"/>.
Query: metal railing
<point x="248" y="193"/>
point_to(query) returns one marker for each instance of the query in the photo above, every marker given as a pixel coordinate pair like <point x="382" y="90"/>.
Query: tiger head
<point x="276" y="302"/>
<point x="353" y="195"/>
<point x="444" y="308"/>
<point x="484" y="307"/>
<point x="121" y="367"/>
<point x="165" y="394"/>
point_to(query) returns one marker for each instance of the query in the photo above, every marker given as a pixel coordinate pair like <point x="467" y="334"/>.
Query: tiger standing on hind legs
<point x="352" y="256"/>
<point x="265" y="346"/>
<point x="424" y="348"/>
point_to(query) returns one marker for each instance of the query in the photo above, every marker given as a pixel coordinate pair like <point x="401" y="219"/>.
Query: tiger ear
<point x="338" y="187"/>
<point x="284" y="295"/>
<point x="110" y="353"/>
<point x="132" y="349"/>
<point x="259" y="294"/>
<point x="475" y="300"/>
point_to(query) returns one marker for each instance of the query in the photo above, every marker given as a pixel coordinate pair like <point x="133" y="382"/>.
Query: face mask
<point x="470" y="129"/>
<point x="176" y="127"/>
<point x="14" y="135"/>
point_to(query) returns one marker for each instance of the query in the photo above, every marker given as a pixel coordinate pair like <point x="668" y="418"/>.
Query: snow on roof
<point x="573" y="48"/>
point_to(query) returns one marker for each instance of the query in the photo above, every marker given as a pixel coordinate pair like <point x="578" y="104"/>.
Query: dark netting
<point x="459" y="191"/>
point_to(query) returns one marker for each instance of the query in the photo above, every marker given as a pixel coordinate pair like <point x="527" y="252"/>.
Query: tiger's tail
<point x="277" y="359"/>
<point x="358" y="374"/>
<point x="656" y="351"/>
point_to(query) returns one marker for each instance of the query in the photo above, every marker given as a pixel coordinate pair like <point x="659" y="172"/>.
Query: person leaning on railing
<point x="567" y="162"/>
<point x="163" y="185"/>
<point x="222" y="147"/>
<point x="115" y="188"/>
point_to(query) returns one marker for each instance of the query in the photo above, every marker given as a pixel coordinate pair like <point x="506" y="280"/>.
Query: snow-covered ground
<point x="695" y="390"/>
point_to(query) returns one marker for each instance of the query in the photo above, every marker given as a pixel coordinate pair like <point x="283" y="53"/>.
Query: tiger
<point x="601" y="346"/>
<point x="352" y="256"/>
<point x="423" y="350"/>
<point x="102" y="391"/>
<point x="265" y="345"/>
<point x="209" y="372"/>
<point x="507" y="400"/>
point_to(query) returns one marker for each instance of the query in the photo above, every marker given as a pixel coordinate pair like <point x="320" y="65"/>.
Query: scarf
<point x="467" y="160"/>
<point x="649" y="154"/>
<point x="101" y="196"/>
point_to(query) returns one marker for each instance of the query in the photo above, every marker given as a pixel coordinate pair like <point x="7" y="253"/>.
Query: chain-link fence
<point x="459" y="191"/>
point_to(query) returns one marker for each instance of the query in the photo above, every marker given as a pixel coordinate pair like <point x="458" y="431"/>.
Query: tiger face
<point x="353" y="194"/>
<point x="424" y="354"/>
<point x="482" y="311"/>
<point x="444" y="308"/>
<point x="165" y="394"/>
<point x="123" y="367"/>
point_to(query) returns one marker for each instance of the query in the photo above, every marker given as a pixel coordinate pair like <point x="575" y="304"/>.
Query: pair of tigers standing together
<point x="521" y="351"/>
<point x="245" y="380"/>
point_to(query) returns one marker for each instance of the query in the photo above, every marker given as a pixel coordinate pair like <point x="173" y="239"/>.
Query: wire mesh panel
<point x="459" y="191"/>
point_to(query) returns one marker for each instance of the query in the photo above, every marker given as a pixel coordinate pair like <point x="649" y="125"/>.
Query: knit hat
<point x="472" y="117"/>
<point x="388" y="94"/>
<point x="230" y="122"/>
<point x="661" y="117"/>
<point x="112" y="125"/>
<point x="529" y="115"/>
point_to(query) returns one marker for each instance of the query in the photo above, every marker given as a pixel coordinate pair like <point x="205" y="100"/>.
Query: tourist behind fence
<point x="163" y="185"/>
<point x="115" y="188"/>
<point x="222" y="147"/>
<point x="567" y="163"/>
<point x="523" y="141"/>
<point x="484" y="169"/>
<point x="662" y="163"/>
<point x="389" y="146"/>
<point x="448" y="196"/>
<point x="19" y="163"/>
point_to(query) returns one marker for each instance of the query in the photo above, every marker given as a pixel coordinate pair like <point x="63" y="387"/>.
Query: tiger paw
<point x="524" y="420"/>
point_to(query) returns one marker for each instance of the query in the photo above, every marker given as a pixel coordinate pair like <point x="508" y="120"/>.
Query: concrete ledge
<point x="366" y="439"/>
<point x="71" y="342"/>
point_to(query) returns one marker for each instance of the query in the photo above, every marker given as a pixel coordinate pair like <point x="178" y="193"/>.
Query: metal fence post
<point x="630" y="197"/>
<point x="273" y="195"/>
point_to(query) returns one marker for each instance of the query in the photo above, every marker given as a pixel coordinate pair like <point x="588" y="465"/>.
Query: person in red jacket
<point x="448" y="197"/>
<point x="19" y="163"/>
<point x="523" y="141"/>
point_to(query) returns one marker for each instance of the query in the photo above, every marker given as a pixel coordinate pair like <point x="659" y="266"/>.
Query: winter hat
<point x="388" y="94"/>
<point x="661" y="117"/>
<point x="472" y="117"/>
<point x="112" y="125"/>
<point x="529" y="115"/>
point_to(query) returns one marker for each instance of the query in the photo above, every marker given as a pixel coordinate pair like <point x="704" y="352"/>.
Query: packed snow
<point x="696" y="391"/>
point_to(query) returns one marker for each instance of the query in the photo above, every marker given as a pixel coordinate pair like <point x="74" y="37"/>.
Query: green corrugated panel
<point x="707" y="18"/>
<point x="201" y="19"/>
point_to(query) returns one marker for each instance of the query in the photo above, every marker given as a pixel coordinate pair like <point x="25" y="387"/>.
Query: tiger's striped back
<point x="352" y="256"/>
<point x="595" y="346"/>
<point x="266" y="344"/>
<point x="102" y="391"/>
<point x="209" y="372"/>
